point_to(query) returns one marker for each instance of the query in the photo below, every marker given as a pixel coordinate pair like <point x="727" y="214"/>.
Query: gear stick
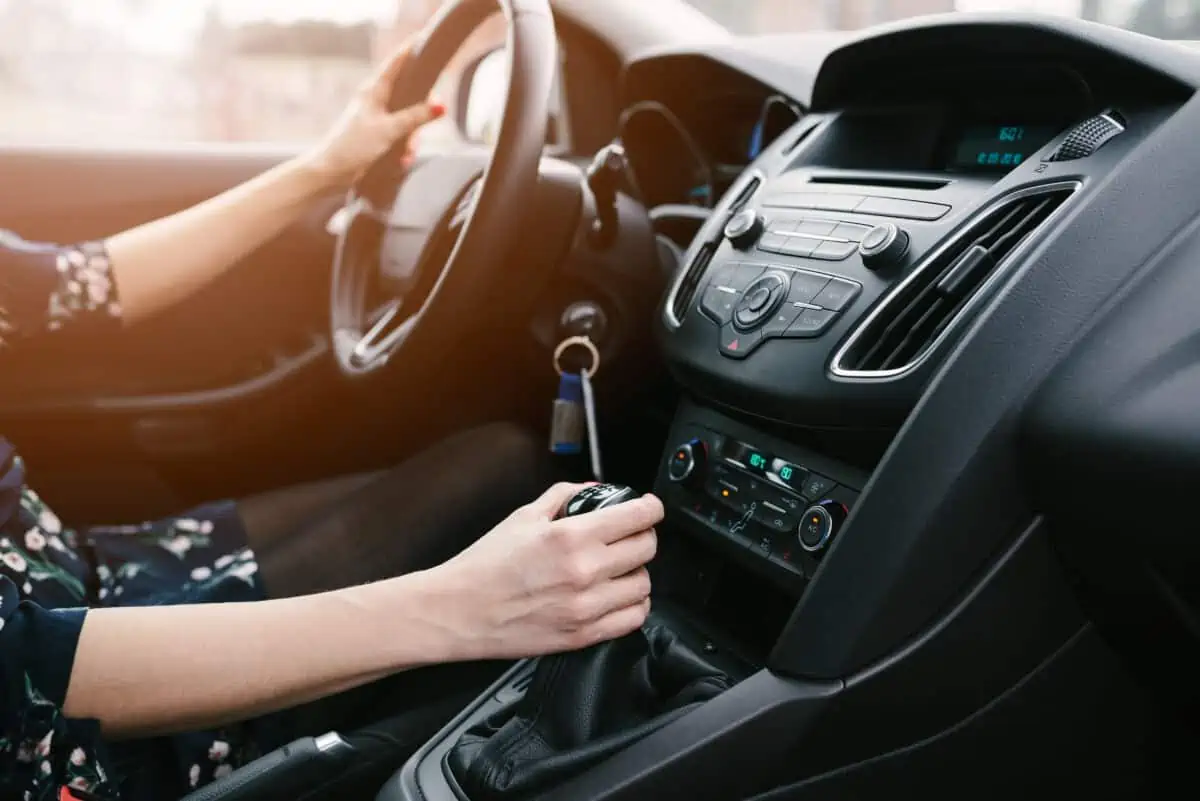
<point x="583" y="706"/>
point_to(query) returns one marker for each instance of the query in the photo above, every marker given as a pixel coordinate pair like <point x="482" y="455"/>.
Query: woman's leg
<point x="414" y="516"/>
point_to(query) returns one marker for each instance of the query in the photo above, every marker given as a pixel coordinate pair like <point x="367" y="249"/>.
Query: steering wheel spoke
<point x="465" y="208"/>
<point x="375" y="345"/>
<point x="434" y="237"/>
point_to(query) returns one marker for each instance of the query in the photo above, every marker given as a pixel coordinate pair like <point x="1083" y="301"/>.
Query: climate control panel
<point x="769" y="501"/>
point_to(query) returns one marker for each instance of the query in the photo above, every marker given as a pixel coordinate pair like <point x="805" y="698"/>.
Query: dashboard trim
<point x="1002" y="269"/>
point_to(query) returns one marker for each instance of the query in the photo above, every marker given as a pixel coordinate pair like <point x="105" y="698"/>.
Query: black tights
<point x="356" y="529"/>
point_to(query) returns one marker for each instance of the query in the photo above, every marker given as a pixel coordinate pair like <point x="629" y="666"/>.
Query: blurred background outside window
<point x="131" y="72"/>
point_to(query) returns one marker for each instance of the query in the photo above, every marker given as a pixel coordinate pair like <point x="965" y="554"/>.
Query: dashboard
<point x="877" y="180"/>
<point x="905" y="231"/>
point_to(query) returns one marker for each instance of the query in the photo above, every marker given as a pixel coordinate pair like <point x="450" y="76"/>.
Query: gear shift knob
<point x="597" y="496"/>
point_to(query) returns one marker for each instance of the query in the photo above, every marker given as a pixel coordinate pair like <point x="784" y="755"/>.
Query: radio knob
<point x="687" y="462"/>
<point x="744" y="228"/>
<point x="820" y="524"/>
<point x="883" y="246"/>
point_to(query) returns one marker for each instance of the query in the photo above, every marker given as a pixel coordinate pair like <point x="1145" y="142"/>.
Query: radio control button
<point x="806" y="286"/>
<point x="832" y="250"/>
<point x="810" y="323"/>
<point x="821" y="228"/>
<point x="837" y="294"/>
<point x="778" y="325"/>
<point x="718" y="303"/>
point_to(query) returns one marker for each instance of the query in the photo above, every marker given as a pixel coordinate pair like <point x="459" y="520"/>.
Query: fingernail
<point x="437" y="109"/>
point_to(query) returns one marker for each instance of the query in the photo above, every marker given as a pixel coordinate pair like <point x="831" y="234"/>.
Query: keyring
<point x="578" y="342"/>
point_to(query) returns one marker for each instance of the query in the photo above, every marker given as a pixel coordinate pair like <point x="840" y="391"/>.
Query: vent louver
<point x="743" y="197"/>
<point x="685" y="293"/>
<point x="691" y="280"/>
<point x="909" y="323"/>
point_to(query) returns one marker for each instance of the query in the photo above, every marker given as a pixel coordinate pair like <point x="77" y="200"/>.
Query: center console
<point x="769" y="504"/>
<point x="749" y="518"/>
<point x="548" y="720"/>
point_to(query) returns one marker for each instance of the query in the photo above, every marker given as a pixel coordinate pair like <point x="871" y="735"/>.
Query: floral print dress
<point x="50" y="575"/>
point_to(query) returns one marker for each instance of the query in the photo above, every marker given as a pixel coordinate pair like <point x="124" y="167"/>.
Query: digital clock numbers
<point x="1003" y="157"/>
<point x="999" y="147"/>
<point x="994" y="158"/>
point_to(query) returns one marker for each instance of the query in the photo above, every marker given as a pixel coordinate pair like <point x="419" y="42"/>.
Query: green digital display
<point x="757" y="461"/>
<point x="790" y="474"/>
<point x="999" y="147"/>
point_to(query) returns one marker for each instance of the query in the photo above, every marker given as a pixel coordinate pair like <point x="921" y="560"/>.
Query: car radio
<point x="758" y="496"/>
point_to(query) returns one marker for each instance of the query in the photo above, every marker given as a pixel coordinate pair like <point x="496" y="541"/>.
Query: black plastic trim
<point x="950" y="491"/>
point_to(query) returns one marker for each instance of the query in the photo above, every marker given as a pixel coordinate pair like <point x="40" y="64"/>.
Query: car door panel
<point x="189" y="404"/>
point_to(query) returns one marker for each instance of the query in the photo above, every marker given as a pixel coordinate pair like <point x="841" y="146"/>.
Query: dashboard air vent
<point x="691" y="280"/>
<point x="685" y="292"/>
<point x="743" y="197"/>
<point x="909" y="323"/>
<point x="799" y="140"/>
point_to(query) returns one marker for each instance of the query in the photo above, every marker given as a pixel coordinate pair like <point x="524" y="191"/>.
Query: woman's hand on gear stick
<point x="532" y="585"/>
<point x="535" y="585"/>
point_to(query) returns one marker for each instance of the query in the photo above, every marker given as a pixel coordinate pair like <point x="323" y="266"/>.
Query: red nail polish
<point x="437" y="109"/>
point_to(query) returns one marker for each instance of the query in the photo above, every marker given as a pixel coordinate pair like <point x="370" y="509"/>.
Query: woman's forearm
<point x="162" y="262"/>
<point x="149" y="670"/>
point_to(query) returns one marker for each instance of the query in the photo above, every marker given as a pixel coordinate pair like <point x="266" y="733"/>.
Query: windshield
<point x="1167" y="19"/>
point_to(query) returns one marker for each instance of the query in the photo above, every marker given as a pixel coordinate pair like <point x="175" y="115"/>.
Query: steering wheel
<point x="421" y="250"/>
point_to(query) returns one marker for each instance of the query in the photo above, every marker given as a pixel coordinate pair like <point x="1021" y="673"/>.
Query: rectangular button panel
<point x="831" y="240"/>
<point x="859" y="204"/>
<point x="812" y="305"/>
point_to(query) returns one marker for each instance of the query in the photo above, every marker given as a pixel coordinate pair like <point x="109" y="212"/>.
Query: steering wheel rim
<point x="482" y="212"/>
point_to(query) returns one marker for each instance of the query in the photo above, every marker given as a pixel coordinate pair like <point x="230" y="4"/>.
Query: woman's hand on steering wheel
<point x="368" y="128"/>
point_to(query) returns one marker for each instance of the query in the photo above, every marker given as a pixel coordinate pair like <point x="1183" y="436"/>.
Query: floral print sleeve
<point x="44" y="286"/>
<point x="41" y="751"/>
<point x="50" y="574"/>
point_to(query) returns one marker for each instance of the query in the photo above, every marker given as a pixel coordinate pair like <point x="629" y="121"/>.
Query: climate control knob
<point x="687" y="462"/>
<point x="820" y="524"/>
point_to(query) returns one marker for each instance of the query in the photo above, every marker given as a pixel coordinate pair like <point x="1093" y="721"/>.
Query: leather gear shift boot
<point x="581" y="708"/>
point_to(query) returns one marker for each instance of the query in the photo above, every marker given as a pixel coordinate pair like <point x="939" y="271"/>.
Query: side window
<point x="130" y="72"/>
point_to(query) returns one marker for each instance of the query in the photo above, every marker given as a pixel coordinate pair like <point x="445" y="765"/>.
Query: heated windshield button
<point x="816" y="486"/>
